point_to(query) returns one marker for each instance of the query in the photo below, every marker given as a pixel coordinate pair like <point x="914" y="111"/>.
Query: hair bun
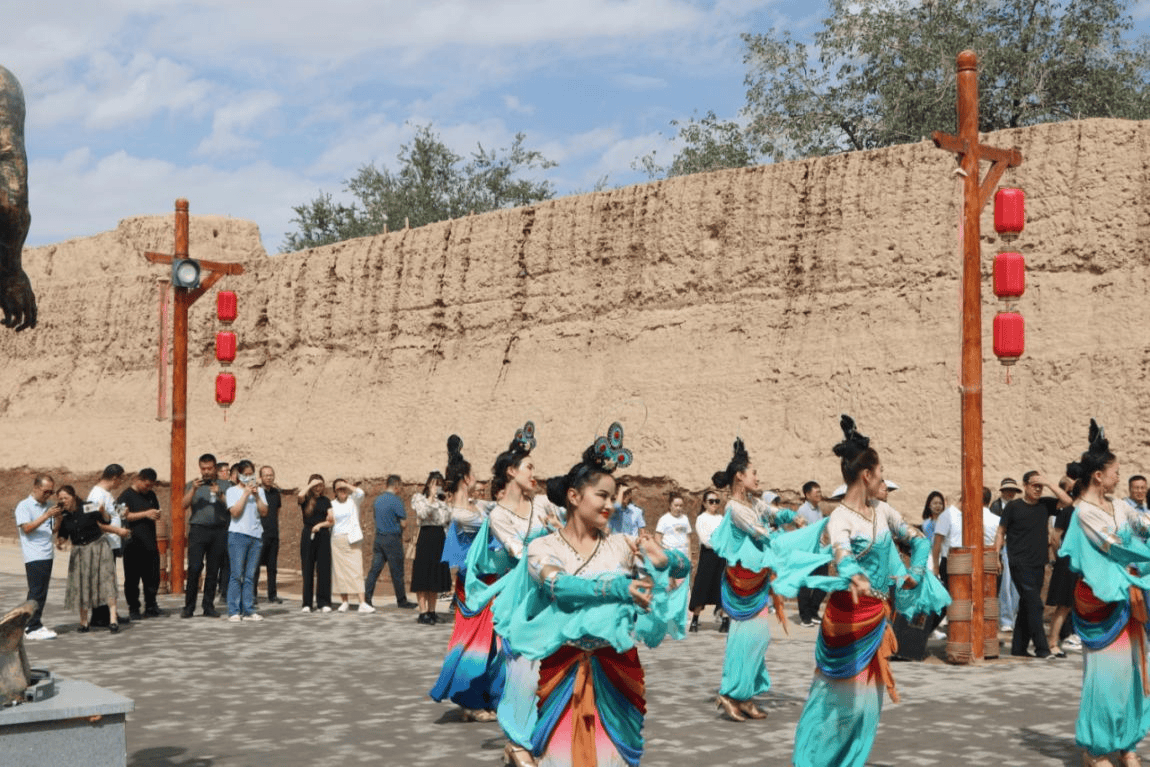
<point x="720" y="480"/>
<point x="853" y="442"/>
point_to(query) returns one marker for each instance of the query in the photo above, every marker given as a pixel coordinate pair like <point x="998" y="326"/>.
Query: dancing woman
<point x="743" y="540"/>
<point x="579" y="603"/>
<point x="473" y="671"/>
<point x="1105" y="543"/>
<point x="856" y="637"/>
<point x="512" y="523"/>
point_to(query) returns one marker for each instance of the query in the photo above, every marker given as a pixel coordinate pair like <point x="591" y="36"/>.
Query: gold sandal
<point x="1130" y="759"/>
<point x="729" y="708"/>
<point x="1096" y="761"/>
<point x="517" y="756"/>
<point x="749" y="708"/>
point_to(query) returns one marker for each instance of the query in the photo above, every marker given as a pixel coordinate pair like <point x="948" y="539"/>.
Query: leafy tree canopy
<point x="431" y="183"/>
<point x="882" y="72"/>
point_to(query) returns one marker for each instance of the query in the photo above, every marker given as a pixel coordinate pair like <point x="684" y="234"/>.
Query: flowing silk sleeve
<point x="1104" y="555"/>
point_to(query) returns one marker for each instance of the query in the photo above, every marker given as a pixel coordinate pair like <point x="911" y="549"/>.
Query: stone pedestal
<point x="80" y="724"/>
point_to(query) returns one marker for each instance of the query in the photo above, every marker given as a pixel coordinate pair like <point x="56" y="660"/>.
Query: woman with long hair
<point x="315" y="545"/>
<point x="1105" y="544"/>
<point x="473" y="671"/>
<point x="707" y="588"/>
<point x="934" y="506"/>
<point x="743" y="540"/>
<point x="579" y="604"/>
<point x="856" y="638"/>
<point x="91" y="565"/>
<point x="514" y="521"/>
<point x="430" y="575"/>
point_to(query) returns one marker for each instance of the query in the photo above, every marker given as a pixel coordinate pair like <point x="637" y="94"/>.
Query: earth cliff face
<point x="759" y="302"/>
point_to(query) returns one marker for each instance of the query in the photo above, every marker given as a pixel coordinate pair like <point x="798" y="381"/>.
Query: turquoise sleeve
<point x="572" y="592"/>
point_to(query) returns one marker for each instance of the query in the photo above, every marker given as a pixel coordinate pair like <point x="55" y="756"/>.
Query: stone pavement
<point x="336" y="689"/>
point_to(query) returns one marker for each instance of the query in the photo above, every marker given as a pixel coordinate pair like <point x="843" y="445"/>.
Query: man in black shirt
<point x="141" y="553"/>
<point x="1025" y="526"/>
<point x="269" y="551"/>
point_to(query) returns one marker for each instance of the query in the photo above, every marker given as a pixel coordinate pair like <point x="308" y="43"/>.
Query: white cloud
<point x="513" y="104"/>
<point x="233" y="119"/>
<point x="640" y="82"/>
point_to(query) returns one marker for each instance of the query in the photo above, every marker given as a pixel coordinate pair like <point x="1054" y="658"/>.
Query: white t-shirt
<point x="345" y="514"/>
<point x="705" y="527"/>
<point x="676" y="532"/>
<point x="949" y="526"/>
<point x="102" y="497"/>
<point x="248" y="522"/>
<point x="810" y="513"/>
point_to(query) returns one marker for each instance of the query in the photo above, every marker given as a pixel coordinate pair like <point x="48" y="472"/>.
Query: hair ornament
<point x="1098" y="441"/>
<point x="525" y="438"/>
<point x="609" y="450"/>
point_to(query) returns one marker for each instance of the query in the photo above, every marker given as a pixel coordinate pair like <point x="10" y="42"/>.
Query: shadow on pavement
<point x="165" y="756"/>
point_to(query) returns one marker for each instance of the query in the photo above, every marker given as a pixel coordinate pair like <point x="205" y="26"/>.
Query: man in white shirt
<point x="35" y="521"/>
<point x="102" y="494"/>
<point x="1137" y="498"/>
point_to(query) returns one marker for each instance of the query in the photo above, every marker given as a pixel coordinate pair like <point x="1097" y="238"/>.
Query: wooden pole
<point x="972" y="469"/>
<point x="180" y="302"/>
<point x="162" y="356"/>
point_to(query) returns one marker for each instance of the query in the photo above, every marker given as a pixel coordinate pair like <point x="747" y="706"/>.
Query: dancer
<point x="579" y="603"/>
<point x="1104" y="544"/>
<point x="473" y="671"/>
<point x="743" y="540"/>
<point x="513" y="522"/>
<point x="856" y="638"/>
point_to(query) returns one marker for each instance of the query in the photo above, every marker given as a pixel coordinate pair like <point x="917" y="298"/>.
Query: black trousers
<point x="206" y="545"/>
<point x="386" y="548"/>
<point x="315" y="560"/>
<point x="141" y="564"/>
<point x="39" y="574"/>
<point x="1028" y="625"/>
<point x="269" y="553"/>
<point x="811" y="599"/>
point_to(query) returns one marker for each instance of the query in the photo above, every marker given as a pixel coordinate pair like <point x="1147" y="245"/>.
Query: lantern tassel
<point x="1007" y="382"/>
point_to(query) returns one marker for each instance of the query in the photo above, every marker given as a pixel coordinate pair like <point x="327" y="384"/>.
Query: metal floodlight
<point x="185" y="273"/>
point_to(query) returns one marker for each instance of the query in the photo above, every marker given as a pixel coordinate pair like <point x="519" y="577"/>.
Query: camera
<point x="441" y="495"/>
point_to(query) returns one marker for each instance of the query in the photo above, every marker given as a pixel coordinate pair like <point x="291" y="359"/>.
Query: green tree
<point x="709" y="144"/>
<point x="431" y="184"/>
<point x="882" y="72"/>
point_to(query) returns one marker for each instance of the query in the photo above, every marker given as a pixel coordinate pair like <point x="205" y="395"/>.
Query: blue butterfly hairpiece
<point x="610" y="449"/>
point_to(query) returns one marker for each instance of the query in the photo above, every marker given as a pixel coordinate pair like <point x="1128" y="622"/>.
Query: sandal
<point x="517" y="756"/>
<point x="1130" y="759"/>
<point x="730" y="708"/>
<point x="1096" y="761"/>
<point x="749" y="708"/>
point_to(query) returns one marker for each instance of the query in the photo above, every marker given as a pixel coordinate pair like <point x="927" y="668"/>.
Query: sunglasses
<point x="712" y="502"/>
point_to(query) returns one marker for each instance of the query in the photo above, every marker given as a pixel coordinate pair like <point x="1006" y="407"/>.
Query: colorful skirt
<point x="1113" y="711"/>
<point x="839" y="721"/>
<point x="745" y="595"/>
<point x="473" y="672"/>
<point x="591" y="708"/>
<point x="91" y="576"/>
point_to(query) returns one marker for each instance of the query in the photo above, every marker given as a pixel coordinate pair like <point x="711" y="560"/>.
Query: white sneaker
<point x="343" y="607"/>
<point x="41" y="633"/>
<point x="364" y="607"/>
<point x="305" y="609"/>
<point x="254" y="617"/>
<point x="325" y="609"/>
<point x="234" y="618"/>
<point x="936" y="634"/>
<point x="1007" y="629"/>
<point x="1073" y="641"/>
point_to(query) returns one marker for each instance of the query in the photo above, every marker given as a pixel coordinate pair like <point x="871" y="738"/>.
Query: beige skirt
<point x="346" y="565"/>
<point x="91" y="576"/>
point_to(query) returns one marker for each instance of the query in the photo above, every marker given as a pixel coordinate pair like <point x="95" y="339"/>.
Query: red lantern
<point x="226" y="347"/>
<point x="226" y="306"/>
<point x="225" y="389"/>
<point x="1009" y="276"/>
<point x="1009" y="337"/>
<point x="1009" y="212"/>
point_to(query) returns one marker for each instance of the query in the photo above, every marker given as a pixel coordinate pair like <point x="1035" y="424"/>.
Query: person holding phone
<point x="207" y="535"/>
<point x="430" y="576"/>
<point x="91" y="566"/>
<point x="246" y="505"/>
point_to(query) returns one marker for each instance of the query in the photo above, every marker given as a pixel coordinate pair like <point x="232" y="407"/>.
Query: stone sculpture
<point x="16" y="296"/>
<point x="15" y="673"/>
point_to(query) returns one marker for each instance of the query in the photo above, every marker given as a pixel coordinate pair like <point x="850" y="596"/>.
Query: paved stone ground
<point x="352" y="689"/>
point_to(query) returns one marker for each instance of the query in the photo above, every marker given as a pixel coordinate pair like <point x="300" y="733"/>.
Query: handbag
<point x="356" y="534"/>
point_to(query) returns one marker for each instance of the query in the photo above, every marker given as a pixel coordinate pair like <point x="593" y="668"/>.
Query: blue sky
<point x="247" y="107"/>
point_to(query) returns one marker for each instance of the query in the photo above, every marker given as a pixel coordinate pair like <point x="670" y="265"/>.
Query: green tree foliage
<point x="882" y="72"/>
<point x="709" y="144"/>
<point x="431" y="183"/>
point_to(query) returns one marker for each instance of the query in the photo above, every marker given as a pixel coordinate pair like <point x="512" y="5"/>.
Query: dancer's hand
<point x="860" y="585"/>
<point x="909" y="583"/>
<point x="656" y="555"/>
<point x="640" y="591"/>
